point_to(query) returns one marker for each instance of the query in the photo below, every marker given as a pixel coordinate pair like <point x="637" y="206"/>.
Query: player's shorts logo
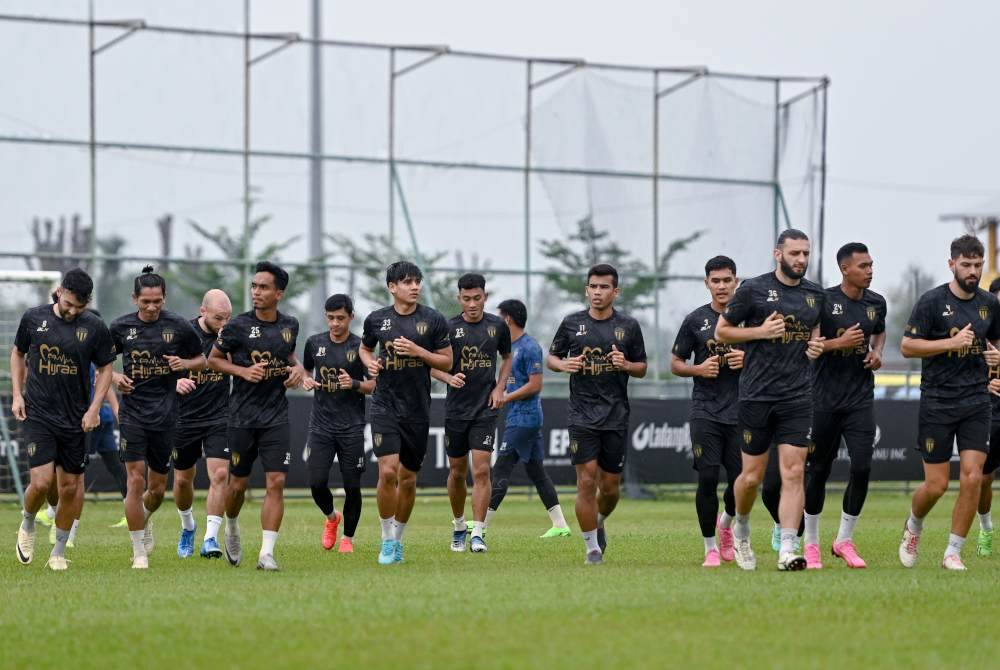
<point x="122" y="443"/>
<point x="447" y="441"/>
<point x="747" y="437"/>
<point x="377" y="438"/>
<point x="491" y="331"/>
<point x="352" y="356"/>
<point x="32" y="448"/>
<point x="696" y="450"/>
<point x="235" y="459"/>
<point x="871" y="313"/>
<point x="811" y="301"/>
<point x="929" y="444"/>
<point x="168" y="336"/>
<point x="619" y="334"/>
<point x="984" y="312"/>
<point x="573" y="446"/>
<point x="81" y="334"/>
<point x="173" y="454"/>
<point x="488" y="441"/>
<point x="812" y="447"/>
<point x="421" y="327"/>
<point x="286" y="335"/>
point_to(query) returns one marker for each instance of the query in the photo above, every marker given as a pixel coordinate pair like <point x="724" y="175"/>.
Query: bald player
<point x="201" y="432"/>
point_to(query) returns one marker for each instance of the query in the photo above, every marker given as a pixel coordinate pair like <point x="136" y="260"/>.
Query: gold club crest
<point x="929" y="444"/>
<point x="696" y="450"/>
<point x="81" y="334"/>
<point x="377" y="439"/>
<point x="811" y="300"/>
<point x="984" y="312"/>
<point x="286" y="335"/>
<point x="871" y="313"/>
<point x="234" y="458"/>
<point x="747" y="437"/>
<point x="32" y="448"/>
<point x="173" y="454"/>
<point x="573" y="446"/>
<point x="491" y="331"/>
<point x="168" y="336"/>
<point x="421" y="327"/>
<point x="352" y="356"/>
<point x="619" y="334"/>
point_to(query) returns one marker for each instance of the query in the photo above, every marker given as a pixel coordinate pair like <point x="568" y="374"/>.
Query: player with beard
<point x="400" y="344"/>
<point x="257" y="349"/>
<point x="601" y="349"/>
<point x="853" y="325"/>
<point x="984" y="544"/>
<point x="201" y="432"/>
<point x="953" y="329"/>
<point x="157" y="346"/>
<point x="715" y="435"/>
<point x="52" y="394"/>
<point x="780" y="313"/>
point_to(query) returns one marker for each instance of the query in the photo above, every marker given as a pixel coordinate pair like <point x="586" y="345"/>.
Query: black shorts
<point x="993" y="459"/>
<point x="191" y="443"/>
<point x="605" y="446"/>
<point x="855" y="426"/>
<point x="155" y="446"/>
<point x="407" y="438"/>
<point x="942" y="425"/>
<point x="271" y="445"/>
<point x="348" y="447"/>
<point x="46" y="444"/>
<point x="462" y="435"/>
<point x="781" y="422"/>
<point x="715" y="444"/>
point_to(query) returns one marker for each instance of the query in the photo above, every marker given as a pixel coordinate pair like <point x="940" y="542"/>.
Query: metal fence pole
<point x="527" y="185"/>
<point x="656" y="223"/>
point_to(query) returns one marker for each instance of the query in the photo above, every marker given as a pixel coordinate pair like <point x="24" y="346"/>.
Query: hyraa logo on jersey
<point x="52" y="361"/>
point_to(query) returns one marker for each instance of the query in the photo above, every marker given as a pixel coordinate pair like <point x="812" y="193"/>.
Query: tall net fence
<point x="186" y="134"/>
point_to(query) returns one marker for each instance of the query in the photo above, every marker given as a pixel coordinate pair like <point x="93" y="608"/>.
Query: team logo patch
<point x="32" y="448"/>
<point x="377" y="438"/>
<point x="286" y="335"/>
<point x="352" y="356"/>
<point x="234" y="458"/>
<point x="81" y="334"/>
<point x="811" y="301"/>
<point x="421" y="327"/>
<point x="984" y="312"/>
<point x="812" y="447"/>
<point x="168" y="336"/>
<point x="747" y="437"/>
<point x="696" y="450"/>
<point x="122" y="443"/>
<point x="447" y="441"/>
<point x="573" y="446"/>
<point x="173" y="454"/>
<point x="491" y="331"/>
<point x="929" y="444"/>
<point x="871" y="313"/>
<point x="619" y="334"/>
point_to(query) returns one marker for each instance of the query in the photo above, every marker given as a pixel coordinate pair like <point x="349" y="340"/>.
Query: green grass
<point x="527" y="603"/>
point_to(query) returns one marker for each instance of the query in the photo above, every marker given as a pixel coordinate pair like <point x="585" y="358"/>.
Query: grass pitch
<point x="527" y="603"/>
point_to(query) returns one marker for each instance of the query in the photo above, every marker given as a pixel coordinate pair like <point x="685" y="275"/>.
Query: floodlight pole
<point x="822" y="184"/>
<point x="775" y="170"/>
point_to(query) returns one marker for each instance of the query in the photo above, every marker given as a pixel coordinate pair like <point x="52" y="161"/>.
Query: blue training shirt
<point x="527" y="355"/>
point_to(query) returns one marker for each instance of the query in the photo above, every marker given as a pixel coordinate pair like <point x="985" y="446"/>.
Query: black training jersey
<point x="58" y="355"/>
<point x="474" y="349"/>
<point x="598" y="394"/>
<point x="335" y="410"/>
<point x="153" y="402"/>
<point x="938" y="315"/>
<point x="841" y="380"/>
<point x="208" y="403"/>
<point x="248" y="340"/>
<point x="714" y="399"/>
<point x="777" y="369"/>
<point x="403" y="386"/>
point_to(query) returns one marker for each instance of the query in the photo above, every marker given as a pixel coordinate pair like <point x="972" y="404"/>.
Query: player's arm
<point x="531" y="388"/>
<point x="220" y="362"/>
<point x="728" y="333"/>
<point x="18" y="376"/>
<point x="102" y="385"/>
<point x="437" y="360"/>
<point x="296" y="373"/>
<point x="448" y="378"/>
<point x="915" y="347"/>
<point x="558" y="359"/>
<point x="369" y="360"/>
<point x="112" y="399"/>
<point x="708" y="368"/>
<point x="849" y="339"/>
<point x="498" y="396"/>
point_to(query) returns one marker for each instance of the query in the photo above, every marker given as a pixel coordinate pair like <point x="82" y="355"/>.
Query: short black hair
<point x="790" y="234"/>
<point x="471" y="280"/>
<point x="276" y="271"/>
<point x="339" y="301"/>
<point x="149" y="279"/>
<point x="79" y="283"/>
<point x="402" y="270"/>
<point x="603" y="270"/>
<point x="516" y="310"/>
<point x="995" y="285"/>
<point x="968" y="246"/>
<point x="720" y="263"/>
<point x="849" y="249"/>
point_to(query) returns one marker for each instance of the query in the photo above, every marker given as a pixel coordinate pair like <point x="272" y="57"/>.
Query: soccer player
<point x="984" y="544"/>
<point x="157" y="346"/>
<point x="411" y="339"/>
<point x="475" y="396"/>
<point x="853" y="327"/>
<point x="337" y="422"/>
<point x="780" y="313"/>
<point x="600" y="348"/>
<point x="522" y="435"/>
<point x="953" y="329"/>
<point x="50" y="364"/>
<point x="257" y="349"/>
<point x="715" y="436"/>
<point x="202" y="432"/>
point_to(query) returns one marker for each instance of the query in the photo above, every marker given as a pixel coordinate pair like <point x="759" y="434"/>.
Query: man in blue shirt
<point x="522" y="438"/>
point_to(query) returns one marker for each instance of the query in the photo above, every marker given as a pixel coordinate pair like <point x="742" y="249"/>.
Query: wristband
<point x="355" y="384"/>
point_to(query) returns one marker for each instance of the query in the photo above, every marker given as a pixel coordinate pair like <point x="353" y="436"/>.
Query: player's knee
<point x="218" y="478"/>
<point x="936" y="487"/>
<point x="157" y="488"/>
<point x="792" y="472"/>
<point x="68" y="488"/>
<point x="751" y="479"/>
<point x="42" y="482"/>
<point x="408" y="484"/>
<point x="586" y="484"/>
<point x="387" y="477"/>
<point x="275" y="482"/>
<point x="481" y="475"/>
<point x="861" y="473"/>
<point x="971" y="477"/>
<point x="708" y="479"/>
<point x="237" y="485"/>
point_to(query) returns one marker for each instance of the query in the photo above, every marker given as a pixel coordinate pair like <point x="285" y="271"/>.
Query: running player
<point x="953" y="329"/>
<point x="337" y="422"/>
<point x="715" y="436"/>
<point x="411" y="339"/>
<point x="50" y="364"/>
<point x="853" y="325"/>
<point x="257" y="349"/>
<point x="600" y="348"/>
<point x="522" y="435"/>
<point x="201" y="432"/>
<point x="475" y="396"/>
<point x="780" y="313"/>
<point x="984" y="544"/>
<point x="156" y="346"/>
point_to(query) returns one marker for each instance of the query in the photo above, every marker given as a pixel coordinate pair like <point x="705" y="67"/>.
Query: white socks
<point x="955" y="543"/>
<point x="847" y="524"/>
<point x="590" y="537"/>
<point x="50" y="512"/>
<point x="267" y="545"/>
<point x="145" y="515"/>
<point x="62" y="537"/>
<point x="397" y="530"/>
<point x="914" y="524"/>
<point x="187" y="518"/>
<point x="812" y="528"/>
<point x="459" y="523"/>
<point x="477" y="528"/>
<point x="725" y="521"/>
<point x="72" y="530"/>
<point x="986" y="521"/>
<point x="741" y="526"/>
<point x="788" y="536"/>
<point x="710" y="544"/>
<point x="387" y="531"/>
<point x="556" y="515"/>
<point x="212" y="525"/>
<point x="138" y="548"/>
